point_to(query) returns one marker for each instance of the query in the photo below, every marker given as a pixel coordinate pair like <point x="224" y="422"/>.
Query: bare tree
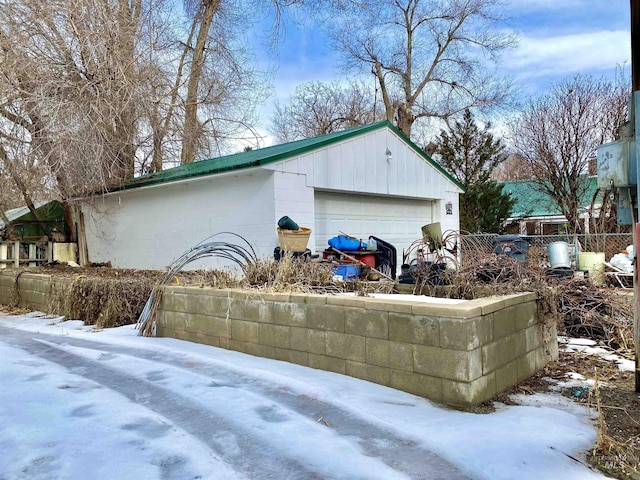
<point x="69" y="75"/>
<point x="203" y="19"/>
<point x="222" y="89"/>
<point x="68" y="94"/>
<point x="99" y="90"/>
<point x="431" y="58"/>
<point x="559" y="132"/>
<point x="318" y="108"/>
<point x="513" y="168"/>
<point x="93" y="92"/>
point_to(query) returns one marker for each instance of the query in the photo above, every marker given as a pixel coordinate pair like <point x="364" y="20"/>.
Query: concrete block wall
<point x="33" y="290"/>
<point x="460" y="355"/>
<point x="7" y="288"/>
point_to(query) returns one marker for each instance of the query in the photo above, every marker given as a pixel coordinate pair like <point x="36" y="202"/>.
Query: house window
<point x="530" y="228"/>
<point x="513" y="228"/>
<point x="554" y="228"/>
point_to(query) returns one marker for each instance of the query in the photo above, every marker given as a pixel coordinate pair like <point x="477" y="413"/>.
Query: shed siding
<point x="360" y="165"/>
<point x="150" y="227"/>
<point x="294" y="198"/>
<point x="449" y="222"/>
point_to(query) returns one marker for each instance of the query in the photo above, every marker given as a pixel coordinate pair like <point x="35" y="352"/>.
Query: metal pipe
<point x="635" y="44"/>
<point x="635" y="81"/>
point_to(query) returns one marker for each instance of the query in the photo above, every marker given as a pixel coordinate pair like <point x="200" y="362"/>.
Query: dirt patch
<point x="613" y="396"/>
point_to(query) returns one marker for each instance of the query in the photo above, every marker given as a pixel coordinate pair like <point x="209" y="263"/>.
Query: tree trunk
<point x="191" y="125"/>
<point x="156" y="159"/>
<point x="388" y="104"/>
<point x="405" y="118"/>
<point x="159" y="126"/>
<point x="125" y="125"/>
<point x="68" y="220"/>
<point x="55" y="166"/>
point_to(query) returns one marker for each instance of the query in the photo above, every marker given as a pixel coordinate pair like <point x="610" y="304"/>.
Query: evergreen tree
<point x="470" y="155"/>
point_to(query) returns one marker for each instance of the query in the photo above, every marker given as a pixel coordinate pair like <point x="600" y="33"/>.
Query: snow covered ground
<point x="79" y="404"/>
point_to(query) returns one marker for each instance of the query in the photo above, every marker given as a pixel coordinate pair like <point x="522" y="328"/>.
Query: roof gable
<point x="267" y="155"/>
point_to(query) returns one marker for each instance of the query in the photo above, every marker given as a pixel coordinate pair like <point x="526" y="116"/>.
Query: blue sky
<point x="557" y="39"/>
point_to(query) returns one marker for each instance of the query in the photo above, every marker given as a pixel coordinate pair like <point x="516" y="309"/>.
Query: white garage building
<point x="369" y="180"/>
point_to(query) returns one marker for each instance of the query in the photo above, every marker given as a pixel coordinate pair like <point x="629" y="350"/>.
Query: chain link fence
<point x="610" y="243"/>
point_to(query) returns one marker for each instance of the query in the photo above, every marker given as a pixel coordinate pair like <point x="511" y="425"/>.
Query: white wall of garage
<point x="356" y="188"/>
<point x="150" y="227"/>
<point x="349" y="186"/>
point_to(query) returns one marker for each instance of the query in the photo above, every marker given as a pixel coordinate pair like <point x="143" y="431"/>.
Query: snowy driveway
<point x="110" y="405"/>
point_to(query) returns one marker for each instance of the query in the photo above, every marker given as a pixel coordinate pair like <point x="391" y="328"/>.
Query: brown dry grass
<point x="618" y="457"/>
<point x="290" y="274"/>
<point x="111" y="298"/>
<point x="108" y="302"/>
<point x="295" y="274"/>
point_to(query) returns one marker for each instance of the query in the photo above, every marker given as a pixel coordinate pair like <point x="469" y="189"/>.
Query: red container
<point x="366" y="257"/>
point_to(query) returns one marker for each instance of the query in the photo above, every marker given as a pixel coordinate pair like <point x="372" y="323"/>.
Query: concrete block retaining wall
<point x="460" y="355"/>
<point x="32" y="292"/>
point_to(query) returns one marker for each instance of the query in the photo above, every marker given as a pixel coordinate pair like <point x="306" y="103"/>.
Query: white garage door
<point x="395" y="220"/>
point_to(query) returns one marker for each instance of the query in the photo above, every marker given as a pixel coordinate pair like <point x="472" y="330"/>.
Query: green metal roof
<point x="50" y="212"/>
<point x="264" y="156"/>
<point x="530" y="202"/>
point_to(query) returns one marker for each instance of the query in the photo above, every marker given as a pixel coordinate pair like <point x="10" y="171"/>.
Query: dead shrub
<point x="213" y="279"/>
<point x="290" y="274"/>
<point x="60" y="298"/>
<point x="295" y="274"/>
<point x="579" y="308"/>
<point x="601" y="314"/>
<point x="108" y="302"/>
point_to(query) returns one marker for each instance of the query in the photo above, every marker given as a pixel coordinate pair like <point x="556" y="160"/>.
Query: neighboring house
<point x="24" y="226"/>
<point x="32" y="240"/>
<point x="369" y="180"/>
<point x="535" y="213"/>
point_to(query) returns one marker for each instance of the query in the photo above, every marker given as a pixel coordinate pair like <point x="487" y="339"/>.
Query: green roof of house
<point x="264" y="156"/>
<point x="24" y="224"/>
<point x="530" y="202"/>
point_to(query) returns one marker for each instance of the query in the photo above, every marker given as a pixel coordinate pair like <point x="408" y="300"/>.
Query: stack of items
<point x="291" y="239"/>
<point x="358" y="259"/>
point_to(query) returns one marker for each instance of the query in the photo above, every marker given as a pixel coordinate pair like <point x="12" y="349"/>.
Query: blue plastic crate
<point x="349" y="273"/>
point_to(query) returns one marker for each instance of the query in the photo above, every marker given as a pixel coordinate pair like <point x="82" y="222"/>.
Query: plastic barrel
<point x="592" y="262"/>
<point x="558" y="253"/>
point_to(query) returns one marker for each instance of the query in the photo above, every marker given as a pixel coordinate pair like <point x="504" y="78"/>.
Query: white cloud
<point x="567" y="54"/>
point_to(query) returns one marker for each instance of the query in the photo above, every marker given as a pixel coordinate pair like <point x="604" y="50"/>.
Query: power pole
<point x="618" y="168"/>
<point x="635" y="104"/>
